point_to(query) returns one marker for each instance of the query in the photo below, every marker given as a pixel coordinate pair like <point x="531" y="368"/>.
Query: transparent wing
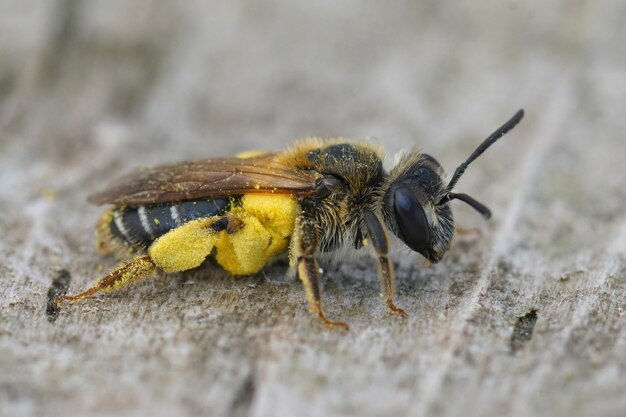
<point x="206" y="178"/>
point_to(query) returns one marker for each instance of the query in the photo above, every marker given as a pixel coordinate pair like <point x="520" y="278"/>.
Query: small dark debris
<point x="458" y="288"/>
<point x="504" y="267"/>
<point x="60" y="285"/>
<point x="243" y="397"/>
<point x="523" y="330"/>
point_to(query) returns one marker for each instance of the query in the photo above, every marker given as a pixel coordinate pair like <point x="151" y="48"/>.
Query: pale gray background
<point x="90" y="89"/>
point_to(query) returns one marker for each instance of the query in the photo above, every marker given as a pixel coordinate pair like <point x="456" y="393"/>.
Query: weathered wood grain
<point x="526" y="319"/>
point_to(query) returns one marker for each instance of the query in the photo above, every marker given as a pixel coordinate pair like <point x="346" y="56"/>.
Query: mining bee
<point x="245" y="211"/>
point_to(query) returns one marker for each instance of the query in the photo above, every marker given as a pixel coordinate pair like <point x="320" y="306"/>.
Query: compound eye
<point x="411" y="218"/>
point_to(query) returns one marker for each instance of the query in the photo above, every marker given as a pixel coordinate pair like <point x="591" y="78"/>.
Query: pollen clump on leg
<point x="185" y="247"/>
<point x="245" y="251"/>
<point x="134" y="271"/>
<point x="268" y="222"/>
<point x="277" y="213"/>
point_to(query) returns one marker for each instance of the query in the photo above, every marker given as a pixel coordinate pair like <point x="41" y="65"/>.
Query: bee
<point x="245" y="211"/>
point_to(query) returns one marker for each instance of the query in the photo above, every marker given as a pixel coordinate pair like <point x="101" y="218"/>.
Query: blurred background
<point x="89" y="89"/>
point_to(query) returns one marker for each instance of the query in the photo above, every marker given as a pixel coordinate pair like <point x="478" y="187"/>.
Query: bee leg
<point x="132" y="271"/>
<point x="469" y="231"/>
<point x="180" y="249"/>
<point x="378" y="238"/>
<point x="305" y="245"/>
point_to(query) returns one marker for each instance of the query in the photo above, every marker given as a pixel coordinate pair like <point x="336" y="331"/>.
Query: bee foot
<point x="332" y="324"/>
<point x="393" y="309"/>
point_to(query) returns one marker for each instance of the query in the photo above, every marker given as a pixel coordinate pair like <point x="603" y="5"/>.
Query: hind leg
<point x="180" y="249"/>
<point x="132" y="271"/>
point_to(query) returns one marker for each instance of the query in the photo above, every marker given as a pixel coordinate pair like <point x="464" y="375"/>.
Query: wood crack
<point x="553" y="121"/>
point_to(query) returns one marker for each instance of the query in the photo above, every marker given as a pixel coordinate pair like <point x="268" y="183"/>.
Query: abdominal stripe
<point x="140" y="226"/>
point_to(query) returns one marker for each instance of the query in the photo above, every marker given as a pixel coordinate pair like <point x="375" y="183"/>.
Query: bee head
<point x="415" y="202"/>
<point x="410" y="206"/>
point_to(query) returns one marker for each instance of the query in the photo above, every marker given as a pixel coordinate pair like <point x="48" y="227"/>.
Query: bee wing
<point x="206" y="178"/>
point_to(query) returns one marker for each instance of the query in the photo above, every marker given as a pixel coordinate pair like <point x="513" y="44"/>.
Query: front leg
<point x="305" y="243"/>
<point x="378" y="238"/>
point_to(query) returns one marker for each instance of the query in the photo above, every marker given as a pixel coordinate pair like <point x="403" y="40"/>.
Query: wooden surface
<point x="525" y="320"/>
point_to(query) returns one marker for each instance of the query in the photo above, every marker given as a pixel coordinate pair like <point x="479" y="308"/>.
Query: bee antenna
<point x="503" y="130"/>
<point x="476" y="205"/>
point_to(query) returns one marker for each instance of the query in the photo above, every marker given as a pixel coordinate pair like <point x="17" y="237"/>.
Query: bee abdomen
<point x="140" y="226"/>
